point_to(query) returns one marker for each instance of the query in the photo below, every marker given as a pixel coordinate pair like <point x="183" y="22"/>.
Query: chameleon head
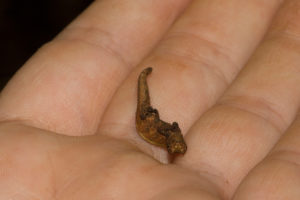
<point x="175" y="141"/>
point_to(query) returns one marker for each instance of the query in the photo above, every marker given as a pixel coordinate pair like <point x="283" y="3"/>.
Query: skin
<point x="150" y="127"/>
<point x="231" y="71"/>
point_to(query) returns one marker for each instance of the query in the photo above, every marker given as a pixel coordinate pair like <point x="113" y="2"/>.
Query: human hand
<point x="84" y="82"/>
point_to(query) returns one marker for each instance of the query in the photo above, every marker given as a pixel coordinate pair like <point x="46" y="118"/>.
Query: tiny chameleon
<point x="150" y="127"/>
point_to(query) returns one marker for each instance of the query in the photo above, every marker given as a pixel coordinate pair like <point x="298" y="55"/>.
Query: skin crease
<point x="227" y="71"/>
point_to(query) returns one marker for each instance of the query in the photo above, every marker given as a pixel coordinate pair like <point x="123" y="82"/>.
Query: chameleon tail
<point x="143" y="91"/>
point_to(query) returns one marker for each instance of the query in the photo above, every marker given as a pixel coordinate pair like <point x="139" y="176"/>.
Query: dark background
<point x="25" y="25"/>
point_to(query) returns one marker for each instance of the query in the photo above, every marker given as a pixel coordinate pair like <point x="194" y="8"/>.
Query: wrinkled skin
<point x="232" y="73"/>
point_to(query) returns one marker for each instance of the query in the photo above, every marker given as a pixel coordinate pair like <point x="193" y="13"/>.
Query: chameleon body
<point x="150" y="127"/>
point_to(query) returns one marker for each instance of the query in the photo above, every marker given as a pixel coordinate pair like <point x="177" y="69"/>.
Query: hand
<point x="241" y="143"/>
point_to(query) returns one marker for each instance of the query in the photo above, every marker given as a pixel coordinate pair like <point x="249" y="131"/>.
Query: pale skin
<point x="227" y="71"/>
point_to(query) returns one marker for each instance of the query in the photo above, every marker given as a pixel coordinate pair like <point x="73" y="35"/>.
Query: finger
<point x="250" y="117"/>
<point x="67" y="84"/>
<point x="277" y="176"/>
<point x="192" y="65"/>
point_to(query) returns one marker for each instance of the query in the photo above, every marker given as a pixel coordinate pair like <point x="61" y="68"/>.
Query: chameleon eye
<point x="149" y="109"/>
<point x="175" y="125"/>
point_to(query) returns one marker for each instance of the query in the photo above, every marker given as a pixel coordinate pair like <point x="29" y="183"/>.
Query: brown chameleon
<point x="150" y="127"/>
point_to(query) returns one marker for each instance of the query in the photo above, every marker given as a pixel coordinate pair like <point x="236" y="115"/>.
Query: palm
<point x="83" y="83"/>
<point x="94" y="167"/>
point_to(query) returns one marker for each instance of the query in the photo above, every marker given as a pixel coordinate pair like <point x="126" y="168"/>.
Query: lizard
<point x="149" y="125"/>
